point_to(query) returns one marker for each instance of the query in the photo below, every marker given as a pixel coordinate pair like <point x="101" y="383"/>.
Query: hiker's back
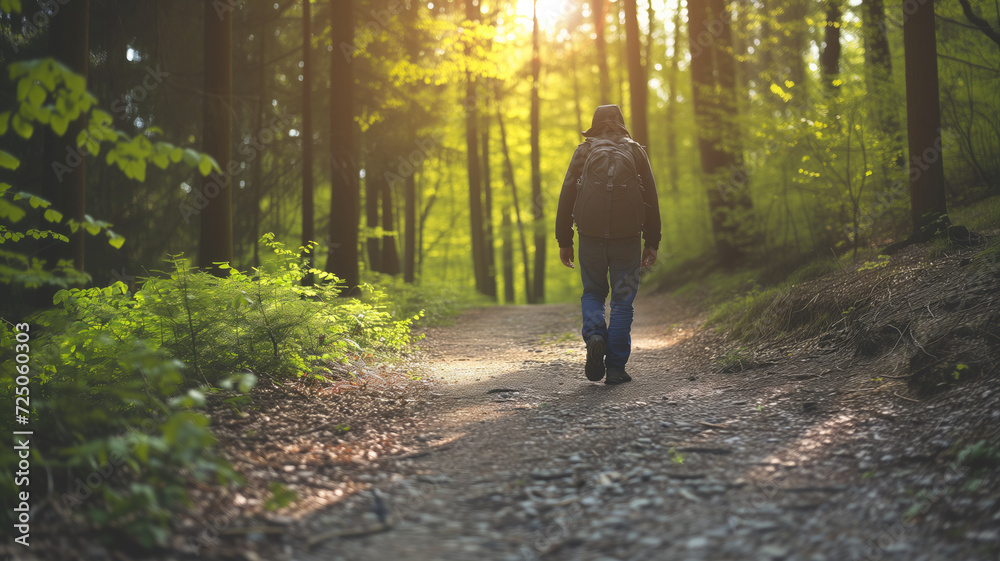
<point x="609" y="201"/>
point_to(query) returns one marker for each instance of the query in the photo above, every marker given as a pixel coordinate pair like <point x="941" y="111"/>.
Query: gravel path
<point x="793" y="461"/>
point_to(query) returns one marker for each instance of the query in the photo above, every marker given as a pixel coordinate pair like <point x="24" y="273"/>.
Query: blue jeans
<point x="620" y="259"/>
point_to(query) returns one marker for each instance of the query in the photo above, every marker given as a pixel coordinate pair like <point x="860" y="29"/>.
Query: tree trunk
<point x="638" y="89"/>
<point x="928" y="208"/>
<point x="472" y="159"/>
<point x="717" y="128"/>
<point x="410" y="235"/>
<point x="257" y="165"/>
<point x="829" y="59"/>
<point x="672" y="72"/>
<point x="372" y="245"/>
<point x="308" y="208"/>
<point x="390" y="255"/>
<point x="216" y="242"/>
<point x="600" y="12"/>
<point x="509" y="173"/>
<point x="577" y="109"/>
<point x="489" y="253"/>
<point x="344" y="199"/>
<point x="538" y="290"/>
<point x="508" y="258"/>
<point x="878" y="67"/>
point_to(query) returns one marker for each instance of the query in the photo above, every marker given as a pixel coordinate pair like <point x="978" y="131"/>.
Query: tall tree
<point x="829" y="59"/>
<point x="713" y="82"/>
<point x="638" y="90"/>
<point x="509" y="177"/>
<point x="390" y="255"/>
<point x="928" y="207"/>
<point x="538" y="202"/>
<point x="600" y="13"/>
<point x="373" y="244"/>
<point x="472" y="159"/>
<point x="410" y="232"/>
<point x="507" y="257"/>
<point x="489" y="253"/>
<point x="345" y="197"/>
<point x="308" y="208"/>
<point x="673" y="70"/>
<point x="216" y="242"/>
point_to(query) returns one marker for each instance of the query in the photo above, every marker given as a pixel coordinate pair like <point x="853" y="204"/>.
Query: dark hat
<point x="607" y="118"/>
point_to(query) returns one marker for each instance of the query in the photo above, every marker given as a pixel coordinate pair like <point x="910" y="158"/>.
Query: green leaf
<point x="11" y="211"/>
<point x="161" y="160"/>
<point x="115" y="240"/>
<point x="36" y="96"/>
<point x="191" y="157"/>
<point x="205" y="165"/>
<point x="59" y="124"/>
<point x="4" y="122"/>
<point x="53" y="215"/>
<point x="22" y="127"/>
<point x="7" y="160"/>
<point x="176" y="154"/>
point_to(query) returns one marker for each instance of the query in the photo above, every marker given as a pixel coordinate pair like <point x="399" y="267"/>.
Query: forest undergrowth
<point x="928" y="307"/>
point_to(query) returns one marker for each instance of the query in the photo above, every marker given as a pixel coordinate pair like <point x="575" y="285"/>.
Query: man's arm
<point x="567" y="199"/>
<point x="651" y="228"/>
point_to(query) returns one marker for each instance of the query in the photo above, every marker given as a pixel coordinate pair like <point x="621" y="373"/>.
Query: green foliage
<point x="50" y="95"/>
<point x="980" y="455"/>
<point x="118" y="378"/>
<point x="426" y="303"/>
<point x="281" y="496"/>
<point x="115" y="415"/>
<point x="882" y="261"/>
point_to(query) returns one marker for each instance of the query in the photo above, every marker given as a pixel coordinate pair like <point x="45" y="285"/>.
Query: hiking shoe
<point x="616" y="376"/>
<point x="596" y="346"/>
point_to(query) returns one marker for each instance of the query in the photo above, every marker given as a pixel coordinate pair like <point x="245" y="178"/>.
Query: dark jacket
<point x="610" y="123"/>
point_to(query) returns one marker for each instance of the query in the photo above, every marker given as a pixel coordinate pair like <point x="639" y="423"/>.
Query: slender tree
<point x="538" y="202"/>
<point x="713" y="82"/>
<point x="928" y="207"/>
<point x="473" y="163"/>
<point x="344" y="201"/>
<point x="488" y="242"/>
<point x="672" y="71"/>
<point x="600" y="13"/>
<point x="509" y="177"/>
<point x="308" y="208"/>
<point x="390" y="255"/>
<point x="829" y="59"/>
<point x="410" y="232"/>
<point x="507" y="257"/>
<point x="638" y="90"/>
<point x="373" y="244"/>
<point x="216" y="242"/>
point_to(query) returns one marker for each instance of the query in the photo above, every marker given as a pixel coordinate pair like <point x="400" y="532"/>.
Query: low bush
<point x="117" y="379"/>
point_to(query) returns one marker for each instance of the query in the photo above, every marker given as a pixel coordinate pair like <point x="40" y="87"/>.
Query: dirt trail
<point x="527" y="459"/>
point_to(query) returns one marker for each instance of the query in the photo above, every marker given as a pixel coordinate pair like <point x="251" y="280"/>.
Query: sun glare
<point x="550" y="12"/>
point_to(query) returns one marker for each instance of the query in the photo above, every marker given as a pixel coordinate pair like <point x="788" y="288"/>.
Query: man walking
<point x="610" y="194"/>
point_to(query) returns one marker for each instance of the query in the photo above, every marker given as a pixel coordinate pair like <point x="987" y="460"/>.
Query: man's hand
<point x="648" y="257"/>
<point x="566" y="256"/>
